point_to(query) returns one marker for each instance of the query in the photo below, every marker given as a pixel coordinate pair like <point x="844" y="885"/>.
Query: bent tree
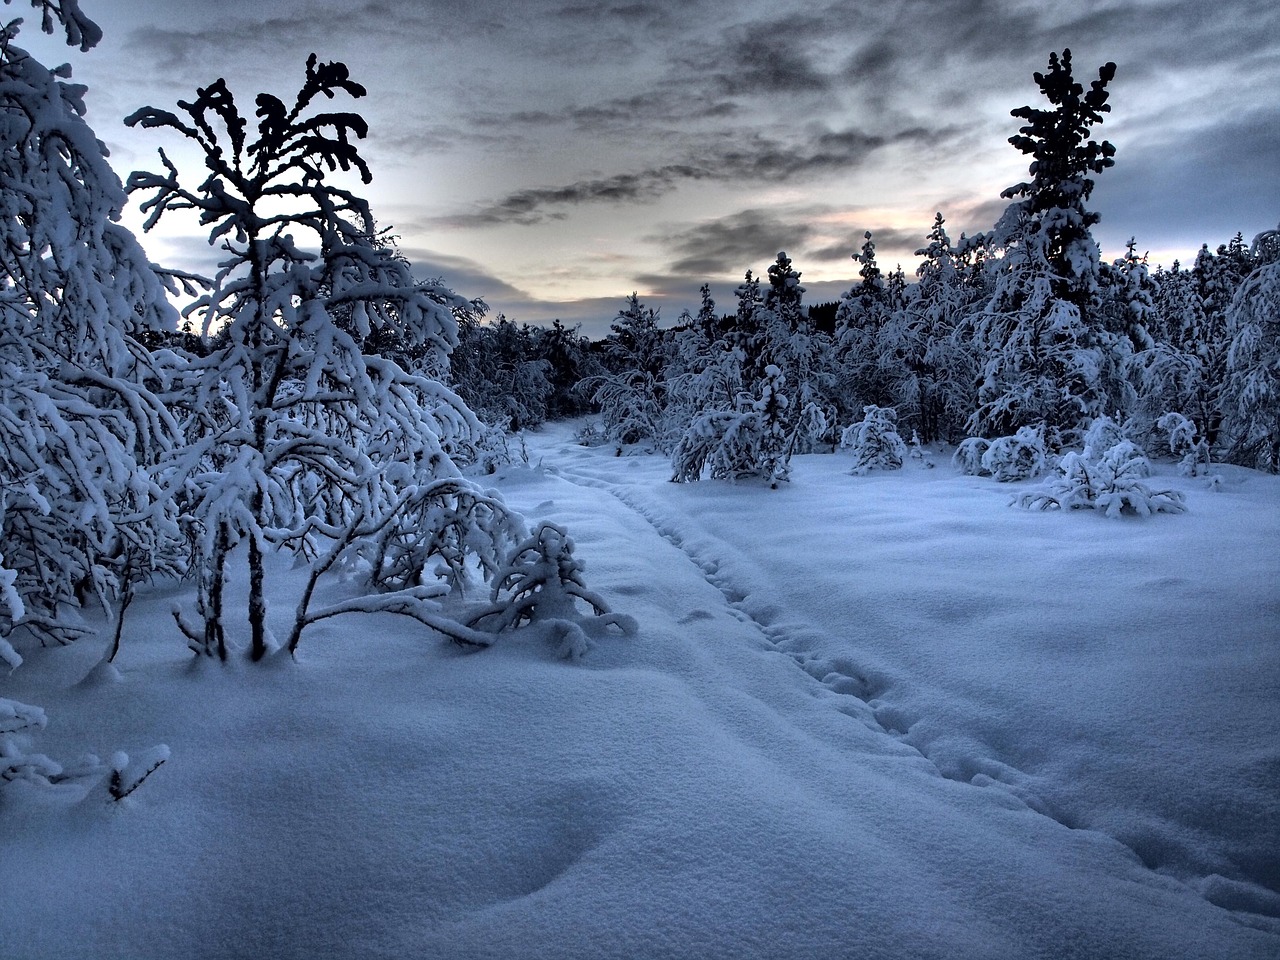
<point x="296" y="435"/>
<point x="80" y="419"/>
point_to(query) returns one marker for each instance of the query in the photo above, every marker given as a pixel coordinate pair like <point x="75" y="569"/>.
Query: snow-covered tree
<point x="705" y="372"/>
<point x="1253" y="363"/>
<point x="919" y="360"/>
<point x="1185" y="369"/>
<point x="863" y="312"/>
<point x="1186" y="441"/>
<point x="1047" y="358"/>
<point x="496" y="370"/>
<point x="294" y="433"/>
<point x="874" y="441"/>
<point x="1128" y="298"/>
<point x="758" y="399"/>
<point x="632" y="396"/>
<point x="81" y="518"/>
<point x="754" y="439"/>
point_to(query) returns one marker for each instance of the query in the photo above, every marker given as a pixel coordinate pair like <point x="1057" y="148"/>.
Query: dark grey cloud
<point x="886" y="239"/>
<point x="747" y="240"/>
<point x="619" y="115"/>
<point x="775" y="55"/>
<point x="465" y="277"/>
<point x="749" y="159"/>
<point x="531" y="206"/>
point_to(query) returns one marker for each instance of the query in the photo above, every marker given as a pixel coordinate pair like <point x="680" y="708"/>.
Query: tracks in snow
<point x="859" y="692"/>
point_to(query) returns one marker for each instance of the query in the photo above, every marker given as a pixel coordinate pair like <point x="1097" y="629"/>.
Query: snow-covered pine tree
<point x="756" y="438"/>
<point x="789" y="341"/>
<point x="80" y="423"/>
<point x="1047" y="357"/>
<point x="923" y="367"/>
<point x="1185" y="369"/>
<point x="704" y="373"/>
<point x="759" y="402"/>
<point x="295" y="435"/>
<point x="874" y="441"/>
<point x="1128" y="298"/>
<point x="632" y="396"/>
<point x="1253" y="363"/>
<point x="860" y="318"/>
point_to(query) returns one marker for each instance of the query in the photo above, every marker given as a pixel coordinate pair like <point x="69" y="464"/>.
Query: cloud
<point x="530" y="206"/>
<point x="748" y="239"/>
<point x="724" y="158"/>
<point x="885" y="238"/>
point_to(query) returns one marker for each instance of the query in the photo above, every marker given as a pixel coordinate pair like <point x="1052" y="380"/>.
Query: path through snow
<point x="1114" y="676"/>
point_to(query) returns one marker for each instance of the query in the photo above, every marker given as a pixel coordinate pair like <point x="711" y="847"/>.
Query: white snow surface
<point x="886" y="716"/>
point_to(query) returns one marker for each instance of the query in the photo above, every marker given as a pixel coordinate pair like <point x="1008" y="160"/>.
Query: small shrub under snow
<point x="542" y="583"/>
<point x="1112" y="484"/>
<point x="874" y="441"/>
<point x="968" y="456"/>
<point x="1018" y="457"/>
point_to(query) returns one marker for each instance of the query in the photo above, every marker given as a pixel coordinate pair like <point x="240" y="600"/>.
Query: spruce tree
<point x="1047" y="358"/>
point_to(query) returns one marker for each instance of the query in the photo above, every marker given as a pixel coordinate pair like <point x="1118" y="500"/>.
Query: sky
<point x="552" y="156"/>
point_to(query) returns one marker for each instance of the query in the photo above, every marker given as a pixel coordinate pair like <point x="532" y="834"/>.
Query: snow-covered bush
<point x="1018" y="457"/>
<point x="120" y="777"/>
<point x="17" y="721"/>
<point x="722" y="445"/>
<point x="591" y="434"/>
<point x="543" y="583"/>
<point x="413" y="553"/>
<point x="1113" y="484"/>
<point x="1103" y="434"/>
<point x="968" y="456"/>
<point x="1187" y="442"/>
<point x="874" y="441"/>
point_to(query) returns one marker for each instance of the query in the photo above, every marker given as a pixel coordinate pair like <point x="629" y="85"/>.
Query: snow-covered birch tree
<point x="295" y="435"/>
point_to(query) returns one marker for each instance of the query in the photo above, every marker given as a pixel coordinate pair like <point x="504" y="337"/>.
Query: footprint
<point x="693" y="616"/>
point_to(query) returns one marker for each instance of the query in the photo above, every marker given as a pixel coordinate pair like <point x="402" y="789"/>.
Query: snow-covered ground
<point x="882" y="716"/>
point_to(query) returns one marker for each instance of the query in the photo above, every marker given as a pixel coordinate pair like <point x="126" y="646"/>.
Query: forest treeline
<point x="1020" y="327"/>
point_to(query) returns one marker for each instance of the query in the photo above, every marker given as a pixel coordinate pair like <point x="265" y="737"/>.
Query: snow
<point x="881" y="716"/>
